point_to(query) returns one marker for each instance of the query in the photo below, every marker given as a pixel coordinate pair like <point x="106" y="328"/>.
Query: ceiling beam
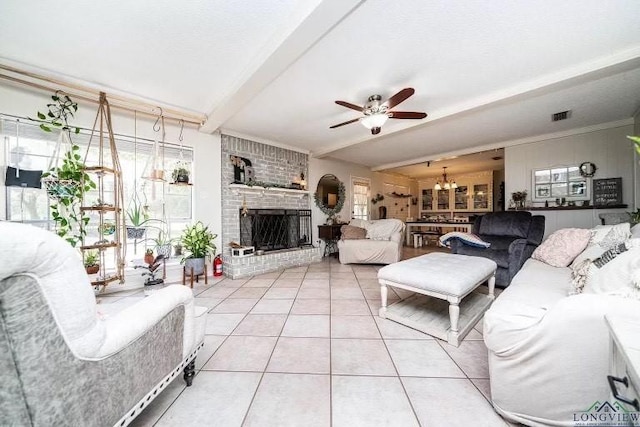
<point x="590" y="71"/>
<point x="281" y="51"/>
<point x="504" y="144"/>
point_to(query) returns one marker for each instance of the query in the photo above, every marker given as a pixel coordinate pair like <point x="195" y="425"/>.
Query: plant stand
<point x="106" y="212"/>
<point x="188" y="272"/>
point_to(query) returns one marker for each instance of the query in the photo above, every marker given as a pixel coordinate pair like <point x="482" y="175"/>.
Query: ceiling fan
<point x="377" y="112"/>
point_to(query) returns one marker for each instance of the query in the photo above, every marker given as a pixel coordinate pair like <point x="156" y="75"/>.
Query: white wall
<point x="609" y="149"/>
<point x="19" y="101"/>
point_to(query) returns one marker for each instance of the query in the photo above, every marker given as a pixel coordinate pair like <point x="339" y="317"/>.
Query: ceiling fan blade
<point x="349" y="105"/>
<point x="344" y="123"/>
<point x="406" y="115"/>
<point x="399" y="97"/>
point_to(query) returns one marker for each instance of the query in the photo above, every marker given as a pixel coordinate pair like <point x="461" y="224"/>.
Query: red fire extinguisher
<point x="217" y="266"/>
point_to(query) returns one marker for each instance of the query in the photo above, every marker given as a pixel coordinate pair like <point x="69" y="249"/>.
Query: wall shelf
<point x="276" y="191"/>
<point x="572" y="208"/>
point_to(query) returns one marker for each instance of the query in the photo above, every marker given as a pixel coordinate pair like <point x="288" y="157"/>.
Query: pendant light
<point x="445" y="184"/>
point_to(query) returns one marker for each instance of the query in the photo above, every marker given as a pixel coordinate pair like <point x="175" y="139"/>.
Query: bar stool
<point x="417" y="240"/>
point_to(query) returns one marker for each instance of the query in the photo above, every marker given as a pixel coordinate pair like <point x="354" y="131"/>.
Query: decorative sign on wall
<point x="242" y="170"/>
<point x="607" y="191"/>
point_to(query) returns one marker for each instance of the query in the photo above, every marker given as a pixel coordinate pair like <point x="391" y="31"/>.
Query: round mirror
<point x="330" y="195"/>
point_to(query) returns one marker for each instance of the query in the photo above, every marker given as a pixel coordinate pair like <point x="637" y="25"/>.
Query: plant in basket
<point x="66" y="182"/>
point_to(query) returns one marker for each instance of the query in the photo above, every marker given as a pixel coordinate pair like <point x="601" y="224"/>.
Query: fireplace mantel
<point x="246" y="189"/>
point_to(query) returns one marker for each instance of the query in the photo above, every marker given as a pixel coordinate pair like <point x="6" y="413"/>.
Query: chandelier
<point x="445" y="184"/>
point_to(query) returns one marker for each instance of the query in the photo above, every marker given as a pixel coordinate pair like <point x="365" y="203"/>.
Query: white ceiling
<point x="485" y="72"/>
<point x="456" y="165"/>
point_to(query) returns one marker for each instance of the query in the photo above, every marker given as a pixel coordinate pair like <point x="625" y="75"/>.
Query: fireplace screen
<point x="274" y="229"/>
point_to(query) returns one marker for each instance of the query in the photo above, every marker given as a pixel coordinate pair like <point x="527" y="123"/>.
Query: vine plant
<point x="68" y="182"/>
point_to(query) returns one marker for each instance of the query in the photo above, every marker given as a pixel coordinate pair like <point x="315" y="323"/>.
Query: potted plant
<point x="519" y="197"/>
<point x="91" y="262"/>
<point x="138" y="217"/>
<point x="163" y="244"/>
<point x="148" y="256"/>
<point x="180" y="174"/>
<point x="197" y="240"/>
<point x="635" y="217"/>
<point x="67" y="182"/>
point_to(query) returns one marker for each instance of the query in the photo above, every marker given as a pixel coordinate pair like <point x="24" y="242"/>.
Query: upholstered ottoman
<point x="445" y="305"/>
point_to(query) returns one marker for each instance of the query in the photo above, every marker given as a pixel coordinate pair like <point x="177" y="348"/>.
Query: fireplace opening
<point x="275" y="229"/>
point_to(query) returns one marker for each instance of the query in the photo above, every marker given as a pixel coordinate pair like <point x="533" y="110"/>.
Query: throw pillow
<point x="350" y="232"/>
<point x="635" y="231"/>
<point x="609" y="236"/>
<point x="590" y="253"/>
<point x="562" y="246"/>
<point x="585" y="268"/>
<point x="620" y="276"/>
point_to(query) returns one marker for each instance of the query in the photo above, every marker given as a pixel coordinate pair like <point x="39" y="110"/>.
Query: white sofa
<point x="62" y="362"/>
<point x="549" y="352"/>
<point x="383" y="244"/>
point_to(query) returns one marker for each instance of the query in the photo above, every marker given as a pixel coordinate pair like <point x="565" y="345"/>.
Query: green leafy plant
<point x="67" y="183"/>
<point x="519" y="196"/>
<point x="137" y="214"/>
<point x="91" y="258"/>
<point x="379" y="197"/>
<point x="635" y="216"/>
<point x="180" y="173"/>
<point x="636" y="141"/>
<point x="197" y="240"/>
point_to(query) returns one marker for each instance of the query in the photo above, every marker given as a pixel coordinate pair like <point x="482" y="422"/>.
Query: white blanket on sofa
<point x="381" y="229"/>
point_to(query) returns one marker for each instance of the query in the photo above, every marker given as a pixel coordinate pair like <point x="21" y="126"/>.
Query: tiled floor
<point x="305" y="347"/>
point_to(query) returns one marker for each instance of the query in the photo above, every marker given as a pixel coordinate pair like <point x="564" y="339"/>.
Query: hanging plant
<point x="66" y="183"/>
<point x="332" y="212"/>
<point x="180" y="174"/>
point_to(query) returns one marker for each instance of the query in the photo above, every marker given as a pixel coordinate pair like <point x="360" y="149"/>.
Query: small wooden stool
<point x="191" y="275"/>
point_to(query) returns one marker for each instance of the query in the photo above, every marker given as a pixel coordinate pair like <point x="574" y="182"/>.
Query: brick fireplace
<point x="276" y="221"/>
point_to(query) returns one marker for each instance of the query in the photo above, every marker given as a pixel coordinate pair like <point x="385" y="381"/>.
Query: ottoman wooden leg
<point x="492" y="286"/>
<point x="454" y="316"/>
<point x="383" y="300"/>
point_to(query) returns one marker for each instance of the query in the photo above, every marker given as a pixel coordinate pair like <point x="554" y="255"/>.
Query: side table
<point x="624" y="361"/>
<point x="330" y="234"/>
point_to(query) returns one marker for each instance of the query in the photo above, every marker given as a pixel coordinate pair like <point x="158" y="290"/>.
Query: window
<point x="33" y="149"/>
<point x="560" y="182"/>
<point x="360" y="190"/>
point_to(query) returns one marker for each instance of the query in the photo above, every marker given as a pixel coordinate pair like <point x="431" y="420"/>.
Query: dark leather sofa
<point x="513" y="235"/>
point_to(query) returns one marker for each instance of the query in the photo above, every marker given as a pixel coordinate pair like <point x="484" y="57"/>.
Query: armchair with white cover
<point x="61" y="361"/>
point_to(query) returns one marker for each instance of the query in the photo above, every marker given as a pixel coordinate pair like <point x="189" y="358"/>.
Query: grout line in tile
<point x="415" y="414"/>
<point x="246" y="414"/>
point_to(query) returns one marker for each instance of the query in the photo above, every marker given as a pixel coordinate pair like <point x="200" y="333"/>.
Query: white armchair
<point x="383" y="244"/>
<point x="61" y="362"/>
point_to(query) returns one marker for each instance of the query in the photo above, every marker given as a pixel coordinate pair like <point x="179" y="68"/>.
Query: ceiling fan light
<point x="454" y="185"/>
<point x="437" y="187"/>
<point x="446" y="186"/>
<point x="374" y="120"/>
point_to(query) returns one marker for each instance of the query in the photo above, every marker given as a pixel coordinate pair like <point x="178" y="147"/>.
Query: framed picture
<point x="560" y="182"/>
<point x="543" y="191"/>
